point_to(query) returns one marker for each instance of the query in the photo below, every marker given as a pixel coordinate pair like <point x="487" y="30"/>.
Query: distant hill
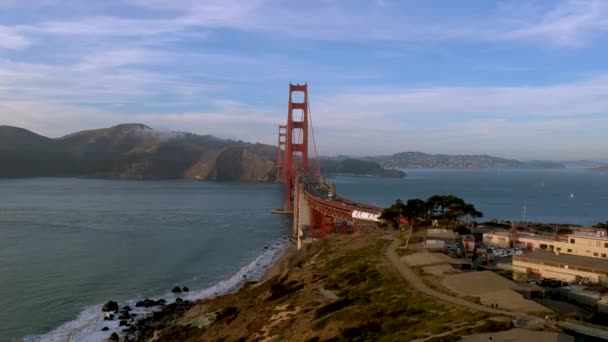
<point x="133" y="151"/>
<point x="585" y="163"/>
<point x="600" y="168"/>
<point x="350" y="166"/>
<point x="413" y="160"/>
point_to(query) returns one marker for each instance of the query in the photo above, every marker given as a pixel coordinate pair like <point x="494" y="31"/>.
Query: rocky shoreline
<point x="144" y="320"/>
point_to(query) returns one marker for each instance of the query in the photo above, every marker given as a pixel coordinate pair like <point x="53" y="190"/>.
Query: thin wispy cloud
<point x="572" y="22"/>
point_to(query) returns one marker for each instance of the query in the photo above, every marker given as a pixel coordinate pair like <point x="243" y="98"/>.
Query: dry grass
<point x="373" y="303"/>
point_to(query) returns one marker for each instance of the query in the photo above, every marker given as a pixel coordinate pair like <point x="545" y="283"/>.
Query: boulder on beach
<point x="176" y="289"/>
<point x="178" y="300"/>
<point x="126" y="308"/>
<point x="105" y="329"/>
<point x="109" y="306"/>
<point x="124" y="315"/>
<point x="146" y="303"/>
<point x="185" y="289"/>
<point x="123" y="323"/>
<point x="114" y="337"/>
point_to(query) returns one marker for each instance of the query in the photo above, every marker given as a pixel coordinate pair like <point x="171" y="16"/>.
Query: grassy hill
<point x="133" y="151"/>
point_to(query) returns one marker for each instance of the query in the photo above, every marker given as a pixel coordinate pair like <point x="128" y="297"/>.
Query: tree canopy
<point x="448" y="209"/>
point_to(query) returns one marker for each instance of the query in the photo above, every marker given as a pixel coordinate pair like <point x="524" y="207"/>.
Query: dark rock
<point x="114" y="337"/>
<point x="133" y="315"/>
<point x="106" y="318"/>
<point x="185" y="289"/>
<point x="105" y="329"/>
<point x="124" y="315"/>
<point x="109" y="306"/>
<point x="150" y="302"/>
<point x="176" y="289"/>
<point x="111" y="317"/>
<point x="123" y="323"/>
<point x="178" y="300"/>
<point x="126" y="308"/>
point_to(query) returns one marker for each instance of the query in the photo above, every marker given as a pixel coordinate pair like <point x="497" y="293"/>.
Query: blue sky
<point x="527" y="80"/>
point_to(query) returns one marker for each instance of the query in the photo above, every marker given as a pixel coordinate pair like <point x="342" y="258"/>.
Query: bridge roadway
<point x="318" y="211"/>
<point x="319" y="191"/>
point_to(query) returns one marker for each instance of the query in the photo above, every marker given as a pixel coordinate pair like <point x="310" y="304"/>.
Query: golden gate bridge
<point x="317" y="209"/>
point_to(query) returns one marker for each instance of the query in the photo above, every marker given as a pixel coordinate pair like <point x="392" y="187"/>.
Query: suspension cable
<point x="314" y="143"/>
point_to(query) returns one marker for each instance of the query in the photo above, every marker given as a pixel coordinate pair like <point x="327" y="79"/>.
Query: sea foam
<point x="87" y="327"/>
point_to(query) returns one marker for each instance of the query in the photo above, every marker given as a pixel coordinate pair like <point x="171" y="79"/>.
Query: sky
<point x="516" y="79"/>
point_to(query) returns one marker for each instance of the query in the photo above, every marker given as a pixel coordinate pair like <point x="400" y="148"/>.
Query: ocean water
<point x="570" y="195"/>
<point x="69" y="245"/>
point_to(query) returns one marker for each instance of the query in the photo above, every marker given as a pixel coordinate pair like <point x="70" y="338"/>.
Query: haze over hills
<point x="136" y="151"/>
<point x="415" y="160"/>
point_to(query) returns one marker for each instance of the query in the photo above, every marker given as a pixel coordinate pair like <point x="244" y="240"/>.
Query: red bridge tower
<point x="296" y="141"/>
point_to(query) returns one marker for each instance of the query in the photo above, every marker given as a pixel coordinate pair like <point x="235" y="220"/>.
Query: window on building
<point x="558" y="249"/>
<point x="605" y="244"/>
<point x="569" y="251"/>
<point x="572" y="240"/>
<point x="603" y="255"/>
<point x="595" y="254"/>
<point x="543" y="246"/>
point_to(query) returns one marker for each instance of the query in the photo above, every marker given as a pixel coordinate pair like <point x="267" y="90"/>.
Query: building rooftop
<point x="581" y="263"/>
<point x="498" y="232"/>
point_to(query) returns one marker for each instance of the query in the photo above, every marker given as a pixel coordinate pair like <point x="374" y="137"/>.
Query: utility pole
<point x="408" y="236"/>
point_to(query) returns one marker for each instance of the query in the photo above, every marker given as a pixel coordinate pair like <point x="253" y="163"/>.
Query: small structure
<point x="440" y="238"/>
<point x="501" y="239"/>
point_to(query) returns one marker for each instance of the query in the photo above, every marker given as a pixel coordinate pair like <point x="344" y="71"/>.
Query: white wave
<point x="87" y="327"/>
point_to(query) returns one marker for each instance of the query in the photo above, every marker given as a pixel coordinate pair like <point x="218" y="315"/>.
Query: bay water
<point x="68" y="245"/>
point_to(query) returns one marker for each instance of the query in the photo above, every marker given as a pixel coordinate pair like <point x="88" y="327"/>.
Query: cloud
<point x="581" y="98"/>
<point x="570" y="23"/>
<point x="9" y="39"/>
<point x="524" y="122"/>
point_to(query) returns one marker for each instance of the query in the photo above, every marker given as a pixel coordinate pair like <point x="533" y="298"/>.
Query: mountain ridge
<point x="132" y="151"/>
<point x="414" y="160"/>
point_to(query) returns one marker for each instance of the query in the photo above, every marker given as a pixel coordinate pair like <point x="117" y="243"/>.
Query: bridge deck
<point x="320" y="192"/>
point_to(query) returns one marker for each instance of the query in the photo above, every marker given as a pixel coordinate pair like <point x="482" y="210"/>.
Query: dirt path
<point x="419" y="285"/>
<point x="520" y="319"/>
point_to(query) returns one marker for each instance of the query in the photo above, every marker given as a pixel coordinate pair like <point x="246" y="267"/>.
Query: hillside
<point x="600" y="168"/>
<point x="414" y="160"/>
<point x="349" y="166"/>
<point x="133" y="151"/>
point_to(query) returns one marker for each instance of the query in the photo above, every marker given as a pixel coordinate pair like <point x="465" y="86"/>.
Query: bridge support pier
<point x="301" y="212"/>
